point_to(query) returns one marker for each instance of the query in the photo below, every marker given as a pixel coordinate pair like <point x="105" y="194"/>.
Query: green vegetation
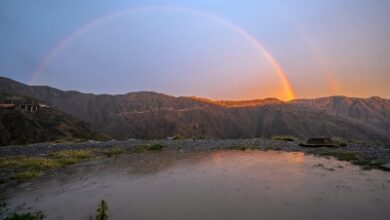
<point x="21" y="168"/>
<point x="26" y="216"/>
<point x="150" y="147"/>
<point x="353" y="157"/>
<point x="113" y="151"/>
<point x="102" y="211"/>
<point x="74" y="154"/>
<point x="237" y="147"/>
<point x="67" y="157"/>
<point x="28" y="162"/>
<point x="339" y="142"/>
<point x="22" y="176"/>
<point x="284" y="138"/>
<point x="341" y="155"/>
<point x="178" y="137"/>
<point x="38" y="215"/>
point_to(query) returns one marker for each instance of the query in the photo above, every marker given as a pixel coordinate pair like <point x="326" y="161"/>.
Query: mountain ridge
<point x="156" y="115"/>
<point x="3" y="81"/>
<point x="25" y="120"/>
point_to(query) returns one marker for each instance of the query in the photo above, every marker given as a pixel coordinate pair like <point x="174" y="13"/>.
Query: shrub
<point x="113" y="151"/>
<point x="284" y="138"/>
<point x="150" y="147"/>
<point x="102" y="211"/>
<point x="339" y="141"/>
<point x="26" y="216"/>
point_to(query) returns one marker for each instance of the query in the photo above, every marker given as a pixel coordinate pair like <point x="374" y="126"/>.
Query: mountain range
<point x="24" y="120"/>
<point x="151" y="115"/>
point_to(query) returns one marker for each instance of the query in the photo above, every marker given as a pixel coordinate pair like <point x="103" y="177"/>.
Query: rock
<point x="131" y="139"/>
<point x="386" y="166"/>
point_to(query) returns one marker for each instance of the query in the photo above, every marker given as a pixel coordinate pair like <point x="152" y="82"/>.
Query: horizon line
<point x="190" y="96"/>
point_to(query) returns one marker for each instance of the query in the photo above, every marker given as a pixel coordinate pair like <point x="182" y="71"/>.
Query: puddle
<point x="210" y="185"/>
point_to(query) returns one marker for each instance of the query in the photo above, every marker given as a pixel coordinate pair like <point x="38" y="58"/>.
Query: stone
<point x="386" y="166"/>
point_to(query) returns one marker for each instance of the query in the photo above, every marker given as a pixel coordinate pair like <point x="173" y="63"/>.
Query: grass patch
<point x="25" y="216"/>
<point x="284" y="138"/>
<point x="353" y="157"/>
<point x="341" y="155"/>
<point x="113" y="151"/>
<point x="26" y="175"/>
<point x="67" y="157"/>
<point x="76" y="154"/>
<point x="21" y="168"/>
<point x="28" y="162"/>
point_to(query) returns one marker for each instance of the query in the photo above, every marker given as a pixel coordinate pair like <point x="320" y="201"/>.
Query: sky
<point x="220" y="49"/>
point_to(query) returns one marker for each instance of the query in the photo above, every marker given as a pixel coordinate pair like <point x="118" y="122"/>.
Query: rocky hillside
<point x="19" y="126"/>
<point x="154" y="115"/>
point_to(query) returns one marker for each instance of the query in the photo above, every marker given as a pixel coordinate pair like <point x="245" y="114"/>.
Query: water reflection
<point x="212" y="185"/>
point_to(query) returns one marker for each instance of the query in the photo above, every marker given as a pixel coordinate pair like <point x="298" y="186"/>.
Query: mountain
<point x="154" y="115"/>
<point x="25" y="120"/>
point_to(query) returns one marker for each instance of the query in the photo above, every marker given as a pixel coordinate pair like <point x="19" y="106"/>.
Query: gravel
<point x="369" y="151"/>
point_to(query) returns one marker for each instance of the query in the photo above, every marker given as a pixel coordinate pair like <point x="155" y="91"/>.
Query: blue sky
<point x="335" y="47"/>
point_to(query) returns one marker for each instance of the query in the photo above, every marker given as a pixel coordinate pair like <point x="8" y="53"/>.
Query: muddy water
<point x="211" y="185"/>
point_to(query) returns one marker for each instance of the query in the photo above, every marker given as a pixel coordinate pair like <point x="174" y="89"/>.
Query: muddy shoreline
<point x="371" y="151"/>
<point x="371" y="155"/>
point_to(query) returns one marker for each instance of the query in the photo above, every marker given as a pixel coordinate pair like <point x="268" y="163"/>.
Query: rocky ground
<point x="367" y="155"/>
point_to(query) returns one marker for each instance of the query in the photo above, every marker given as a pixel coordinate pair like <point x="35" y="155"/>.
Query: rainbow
<point x="288" y="90"/>
<point x="328" y="75"/>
